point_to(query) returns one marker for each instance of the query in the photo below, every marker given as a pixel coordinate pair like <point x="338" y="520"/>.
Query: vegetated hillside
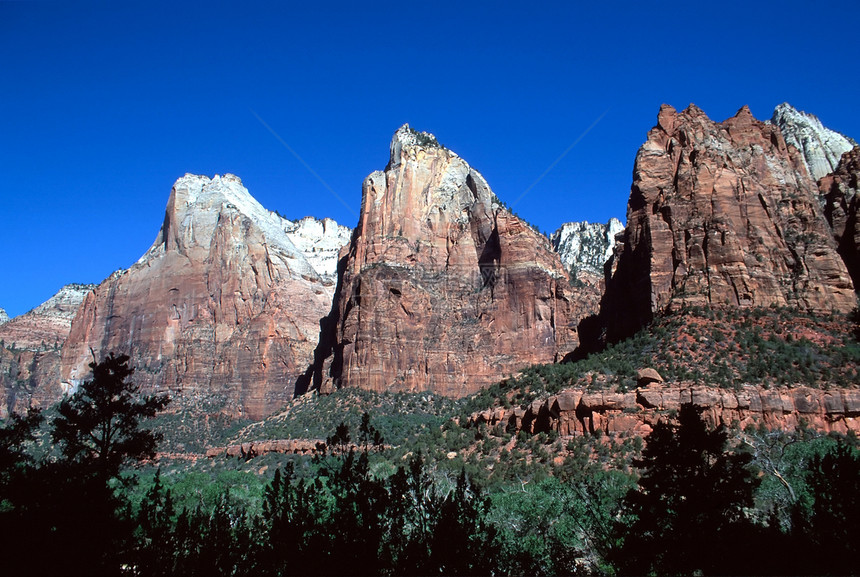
<point x="720" y="347"/>
<point x="546" y="503"/>
<point x="398" y="416"/>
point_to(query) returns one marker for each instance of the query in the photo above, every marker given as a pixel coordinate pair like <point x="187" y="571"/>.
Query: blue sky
<point x="104" y="105"/>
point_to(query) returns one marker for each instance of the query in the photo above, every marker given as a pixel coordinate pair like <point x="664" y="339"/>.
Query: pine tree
<point x="688" y="512"/>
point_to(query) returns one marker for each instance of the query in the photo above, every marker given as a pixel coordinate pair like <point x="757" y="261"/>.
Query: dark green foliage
<point x="827" y="520"/>
<point x="99" y="426"/>
<point x="688" y="513"/>
<point x="346" y="521"/>
<point x="16" y="461"/>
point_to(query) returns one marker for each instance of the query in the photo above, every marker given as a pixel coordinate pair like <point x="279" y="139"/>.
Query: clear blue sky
<point x="105" y="105"/>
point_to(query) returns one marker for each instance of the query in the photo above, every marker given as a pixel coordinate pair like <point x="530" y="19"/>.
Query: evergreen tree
<point x="688" y="513"/>
<point x="75" y="511"/>
<point x="827" y="527"/>
<point x="99" y="426"/>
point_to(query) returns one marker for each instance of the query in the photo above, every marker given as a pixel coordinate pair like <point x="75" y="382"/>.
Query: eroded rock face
<point x="223" y="304"/>
<point x="320" y="241"/>
<point x="30" y="357"/>
<point x="721" y="214"/>
<point x="585" y="247"/>
<point x="46" y="326"/>
<point x="575" y="412"/>
<point x="841" y="207"/>
<point x="4" y="318"/>
<point x="443" y="289"/>
<point x="820" y="147"/>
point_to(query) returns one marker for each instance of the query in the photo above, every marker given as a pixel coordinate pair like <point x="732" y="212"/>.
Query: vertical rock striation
<point x="841" y="206"/>
<point x="443" y="289"/>
<point x="222" y="306"/>
<point x="722" y="214"/>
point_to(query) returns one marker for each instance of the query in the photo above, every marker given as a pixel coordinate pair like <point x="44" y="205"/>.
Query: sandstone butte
<point x="720" y="214"/>
<point x="443" y="289"/>
<point x="222" y="309"/>
<point x="841" y="207"/>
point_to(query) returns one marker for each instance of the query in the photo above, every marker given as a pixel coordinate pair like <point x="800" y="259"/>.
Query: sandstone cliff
<point x="223" y="307"/>
<point x="30" y="356"/>
<point x="580" y="412"/>
<point x="585" y="247"/>
<point x="4" y="318"/>
<point x="820" y="147"/>
<point x="722" y="214"/>
<point x="46" y="326"/>
<point x="841" y="206"/>
<point x="443" y="289"/>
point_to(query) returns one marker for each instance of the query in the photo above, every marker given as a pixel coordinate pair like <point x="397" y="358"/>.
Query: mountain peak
<point x="406" y="137"/>
<point x="820" y="147"/>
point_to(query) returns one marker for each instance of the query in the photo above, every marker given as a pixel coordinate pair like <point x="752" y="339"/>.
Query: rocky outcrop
<point x="585" y="247"/>
<point x="443" y="289"/>
<point x="222" y="306"/>
<point x="46" y="326"/>
<point x="841" y="206"/>
<point x="4" y="318"/>
<point x="284" y="446"/>
<point x="575" y="412"/>
<point x="820" y="147"/>
<point x="320" y="241"/>
<point x="253" y="449"/>
<point x="30" y="356"/>
<point x="720" y="214"/>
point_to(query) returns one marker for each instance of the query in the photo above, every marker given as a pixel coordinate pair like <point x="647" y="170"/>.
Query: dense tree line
<point x="691" y="509"/>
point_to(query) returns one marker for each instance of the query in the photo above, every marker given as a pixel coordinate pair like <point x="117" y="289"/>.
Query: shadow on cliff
<point x="327" y="346"/>
<point x="625" y="306"/>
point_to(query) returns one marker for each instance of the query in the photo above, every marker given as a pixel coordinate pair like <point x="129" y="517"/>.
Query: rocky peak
<point x="30" y="359"/>
<point x="584" y="246"/>
<point x="407" y="137"/>
<point x="320" y="241"/>
<point x="821" y="148"/>
<point x="48" y="324"/>
<point x="3" y="317"/>
<point x="64" y="304"/>
<point x="721" y="214"/>
<point x="196" y="207"/>
<point x="443" y="289"/>
<point x="222" y="306"/>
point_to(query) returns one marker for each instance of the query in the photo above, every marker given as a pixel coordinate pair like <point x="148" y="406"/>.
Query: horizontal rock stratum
<point x="579" y="412"/>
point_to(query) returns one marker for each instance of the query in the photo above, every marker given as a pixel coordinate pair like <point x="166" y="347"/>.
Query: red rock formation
<point x="30" y="357"/>
<point x="444" y="289"/>
<point x="284" y="446"/>
<point x="721" y="214"/>
<point x="222" y="306"/>
<point x="46" y="326"/>
<point x="578" y="412"/>
<point x="842" y="205"/>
